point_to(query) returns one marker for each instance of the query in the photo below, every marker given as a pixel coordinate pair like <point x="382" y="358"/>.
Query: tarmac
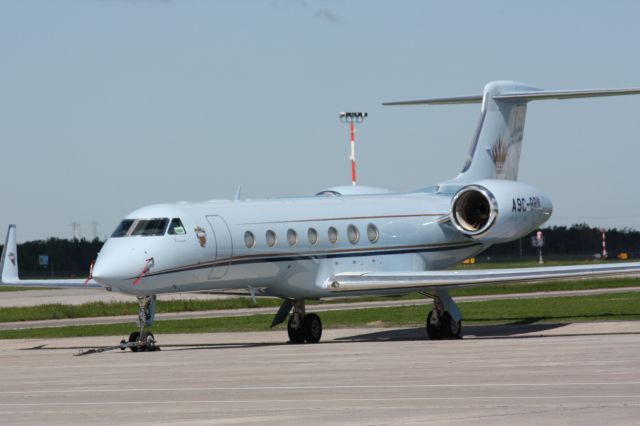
<point x="573" y="374"/>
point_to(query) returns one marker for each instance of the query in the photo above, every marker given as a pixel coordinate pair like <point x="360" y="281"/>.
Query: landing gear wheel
<point x="149" y="342"/>
<point x="450" y="328"/>
<point x="296" y="335"/>
<point x="434" y="326"/>
<point x="133" y="338"/>
<point x="312" y="328"/>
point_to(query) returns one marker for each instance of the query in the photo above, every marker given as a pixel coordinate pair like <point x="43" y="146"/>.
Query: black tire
<point x="296" y="335"/>
<point x="133" y="337"/>
<point x="433" y="331"/>
<point x="451" y="329"/>
<point x="312" y="328"/>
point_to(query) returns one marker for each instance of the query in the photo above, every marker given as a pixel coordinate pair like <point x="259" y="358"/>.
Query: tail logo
<point x="12" y="258"/>
<point x="499" y="152"/>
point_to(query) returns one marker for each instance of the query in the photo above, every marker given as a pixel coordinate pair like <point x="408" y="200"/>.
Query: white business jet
<point x="344" y="241"/>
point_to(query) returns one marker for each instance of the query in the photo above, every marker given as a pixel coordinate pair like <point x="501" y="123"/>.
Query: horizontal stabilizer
<point x="564" y="94"/>
<point x="414" y="281"/>
<point x="474" y="99"/>
<point x="526" y="96"/>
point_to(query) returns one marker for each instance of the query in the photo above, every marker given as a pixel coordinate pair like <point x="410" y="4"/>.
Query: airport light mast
<point x="605" y="255"/>
<point x="351" y="118"/>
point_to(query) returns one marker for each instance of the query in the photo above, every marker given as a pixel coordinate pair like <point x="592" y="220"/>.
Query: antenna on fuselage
<point x="351" y="118"/>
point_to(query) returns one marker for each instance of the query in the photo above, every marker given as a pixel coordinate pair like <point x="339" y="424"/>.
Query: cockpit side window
<point x="151" y="227"/>
<point x="176" y="227"/>
<point x="123" y="228"/>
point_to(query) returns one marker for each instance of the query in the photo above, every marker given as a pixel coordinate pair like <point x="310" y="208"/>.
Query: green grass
<point x="572" y="285"/>
<point x="529" y="263"/>
<point x="101" y="309"/>
<point x="19" y="288"/>
<point x="622" y="306"/>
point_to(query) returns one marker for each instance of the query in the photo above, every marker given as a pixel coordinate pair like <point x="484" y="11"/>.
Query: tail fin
<point x="9" y="259"/>
<point x="497" y="142"/>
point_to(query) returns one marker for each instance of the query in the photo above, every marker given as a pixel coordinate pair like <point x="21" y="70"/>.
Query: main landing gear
<point x="141" y="340"/>
<point x="444" y="321"/>
<point x="301" y="327"/>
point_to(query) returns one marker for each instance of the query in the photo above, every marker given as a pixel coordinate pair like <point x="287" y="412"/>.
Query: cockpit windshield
<point x="176" y="227"/>
<point x="141" y="227"/>
<point x="123" y="228"/>
<point x="150" y="227"/>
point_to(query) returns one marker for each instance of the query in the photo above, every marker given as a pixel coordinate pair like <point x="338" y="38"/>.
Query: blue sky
<point x="108" y="105"/>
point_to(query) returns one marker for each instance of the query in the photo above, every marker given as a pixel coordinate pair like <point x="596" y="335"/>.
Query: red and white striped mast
<point x="604" y="244"/>
<point x="351" y="118"/>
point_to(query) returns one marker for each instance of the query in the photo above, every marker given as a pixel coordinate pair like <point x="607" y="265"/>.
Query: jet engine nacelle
<point x="495" y="211"/>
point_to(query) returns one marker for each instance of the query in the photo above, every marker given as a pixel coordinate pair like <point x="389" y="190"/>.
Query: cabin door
<point x="224" y="247"/>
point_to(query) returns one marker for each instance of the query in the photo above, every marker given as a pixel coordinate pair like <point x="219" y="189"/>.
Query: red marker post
<point x="351" y="118"/>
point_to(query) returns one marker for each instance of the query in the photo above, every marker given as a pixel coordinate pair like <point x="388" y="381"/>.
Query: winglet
<point x="9" y="260"/>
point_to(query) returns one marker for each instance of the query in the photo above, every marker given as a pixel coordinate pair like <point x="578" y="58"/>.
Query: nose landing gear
<point x="141" y="341"/>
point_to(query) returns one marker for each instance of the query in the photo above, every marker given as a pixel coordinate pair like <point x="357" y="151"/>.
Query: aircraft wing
<point x="9" y="268"/>
<point x="355" y="282"/>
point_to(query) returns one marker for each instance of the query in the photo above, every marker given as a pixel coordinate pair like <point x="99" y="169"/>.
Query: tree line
<point x="575" y="242"/>
<point x="72" y="258"/>
<point x="67" y="258"/>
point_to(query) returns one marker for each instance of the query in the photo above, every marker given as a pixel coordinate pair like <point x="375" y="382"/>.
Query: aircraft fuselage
<point x="288" y="247"/>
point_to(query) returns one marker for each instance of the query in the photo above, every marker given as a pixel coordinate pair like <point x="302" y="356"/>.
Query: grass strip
<point x="21" y="288"/>
<point x="622" y="306"/>
<point x="101" y="309"/>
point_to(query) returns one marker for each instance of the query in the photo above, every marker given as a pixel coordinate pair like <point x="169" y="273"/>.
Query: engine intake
<point x="495" y="211"/>
<point x="474" y="210"/>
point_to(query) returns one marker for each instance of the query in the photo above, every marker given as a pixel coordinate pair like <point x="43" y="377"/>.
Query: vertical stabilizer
<point x="497" y="142"/>
<point x="9" y="262"/>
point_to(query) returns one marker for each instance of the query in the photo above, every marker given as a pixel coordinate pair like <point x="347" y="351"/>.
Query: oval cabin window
<point x="353" y="234"/>
<point x="271" y="238"/>
<point x="249" y="239"/>
<point x="373" y="233"/>
<point x="312" y="235"/>
<point x="292" y="237"/>
<point x="333" y="235"/>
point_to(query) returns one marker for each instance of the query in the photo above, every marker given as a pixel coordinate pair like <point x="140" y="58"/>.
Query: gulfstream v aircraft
<point x="343" y="241"/>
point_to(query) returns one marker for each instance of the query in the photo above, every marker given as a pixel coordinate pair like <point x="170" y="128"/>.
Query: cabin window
<point x="373" y="233"/>
<point x="123" y="228"/>
<point x="176" y="227"/>
<point x="353" y="234"/>
<point x="333" y="235"/>
<point x="151" y="227"/>
<point x="312" y="235"/>
<point x="271" y="238"/>
<point x="249" y="239"/>
<point x="292" y="237"/>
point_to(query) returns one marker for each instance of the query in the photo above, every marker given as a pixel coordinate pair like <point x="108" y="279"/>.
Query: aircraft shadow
<point x="516" y="330"/>
<point x="469" y="332"/>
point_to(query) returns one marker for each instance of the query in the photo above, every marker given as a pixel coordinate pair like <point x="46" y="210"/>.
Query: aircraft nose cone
<point x="100" y="272"/>
<point x="112" y="271"/>
<point x="106" y="271"/>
